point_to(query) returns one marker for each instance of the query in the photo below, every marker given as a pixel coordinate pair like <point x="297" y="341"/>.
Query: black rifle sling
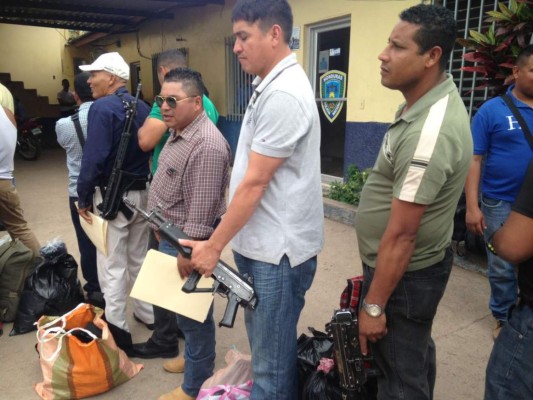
<point x="112" y="195"/>
<point x="514" y="109"/>
<point x="76" y="119"/>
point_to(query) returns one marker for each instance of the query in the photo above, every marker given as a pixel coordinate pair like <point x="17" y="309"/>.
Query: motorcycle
<point x="28" y="139"/>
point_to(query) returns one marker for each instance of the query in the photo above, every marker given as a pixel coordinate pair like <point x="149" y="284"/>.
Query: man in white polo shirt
<point x="275" y="216"/>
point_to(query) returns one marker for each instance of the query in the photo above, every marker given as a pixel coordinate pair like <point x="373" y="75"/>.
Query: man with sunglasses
<point x="152" y="136"/>
<point x="189" y="186"/>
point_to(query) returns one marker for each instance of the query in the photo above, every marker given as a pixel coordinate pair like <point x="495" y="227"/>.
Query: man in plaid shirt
<point x="189" y="186"/>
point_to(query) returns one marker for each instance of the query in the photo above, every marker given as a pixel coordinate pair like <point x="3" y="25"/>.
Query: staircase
<point x="35" y="105"/>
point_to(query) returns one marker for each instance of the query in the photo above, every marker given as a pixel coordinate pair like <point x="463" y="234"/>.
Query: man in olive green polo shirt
<point x="404" y="221"/>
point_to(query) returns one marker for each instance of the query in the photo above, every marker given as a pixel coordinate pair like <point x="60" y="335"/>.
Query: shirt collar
<point x="518" y="102"/>
<point x="430" y="98"/>
<point x="261" y="84"/>
<point x="85" y="105"/>
<point x="190" y="129"/>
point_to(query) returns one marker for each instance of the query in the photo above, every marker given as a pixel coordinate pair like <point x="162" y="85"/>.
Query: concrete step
<point x="36" y="106"/>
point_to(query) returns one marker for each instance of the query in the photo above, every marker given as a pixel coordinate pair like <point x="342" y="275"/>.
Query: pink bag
<point x="227" y="392"/>
<point x="234" y="382"/>
<point x="238" y="370"/>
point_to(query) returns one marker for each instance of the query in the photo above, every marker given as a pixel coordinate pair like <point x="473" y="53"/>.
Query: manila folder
<point x="159" y="283"/>
<point x="97" y="231"/>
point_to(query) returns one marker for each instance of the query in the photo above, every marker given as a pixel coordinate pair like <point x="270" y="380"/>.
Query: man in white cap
<point x="127" y="235"/>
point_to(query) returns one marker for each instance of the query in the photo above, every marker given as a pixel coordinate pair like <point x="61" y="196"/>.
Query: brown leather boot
<point x="176" y="394"/>
<point x="175" y="366"/>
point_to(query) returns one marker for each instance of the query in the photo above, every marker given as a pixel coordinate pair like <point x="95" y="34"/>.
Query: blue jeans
<point x="502" y="277"/>
<point x="510" y="369"/>
<point x="406" y="355"/>
<point x="87" y="251"/>
<point x="272" y="326"/>
<point x="199" y="343"/>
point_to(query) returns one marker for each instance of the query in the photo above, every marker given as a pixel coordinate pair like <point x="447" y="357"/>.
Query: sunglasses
<point x="171" y="101"/>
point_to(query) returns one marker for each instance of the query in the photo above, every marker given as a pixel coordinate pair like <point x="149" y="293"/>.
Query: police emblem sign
<point x="332" y="86"/>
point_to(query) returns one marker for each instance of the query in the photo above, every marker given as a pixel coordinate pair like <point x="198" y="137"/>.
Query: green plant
<point x="494" y="51"/>
<point x="349" y="191"/>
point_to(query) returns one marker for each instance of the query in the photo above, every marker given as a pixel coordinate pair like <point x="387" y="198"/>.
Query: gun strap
<point x="76" y="119"/>
<point x="518" y="115"/>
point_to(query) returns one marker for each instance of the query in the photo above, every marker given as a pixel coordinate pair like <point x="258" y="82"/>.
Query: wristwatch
<point x="374" y="310"/>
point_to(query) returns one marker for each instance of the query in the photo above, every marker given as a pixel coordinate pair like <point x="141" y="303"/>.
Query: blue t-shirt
<point x="499" y="138"/>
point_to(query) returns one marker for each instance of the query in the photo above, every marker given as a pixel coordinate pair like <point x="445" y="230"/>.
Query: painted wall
<point x="371" y="24"/>
<point x="202" y="30"/>
<point x="34" y="55"/>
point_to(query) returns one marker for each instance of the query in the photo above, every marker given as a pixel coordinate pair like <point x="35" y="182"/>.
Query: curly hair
<point x="437" y="28"/>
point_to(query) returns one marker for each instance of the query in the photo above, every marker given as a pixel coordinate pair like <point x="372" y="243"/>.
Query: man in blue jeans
<point x="500" y="145"/>
<point x="404" y="220"/>
<point x="275" y="215"/>
<point x="510" y="366"/>
<point x="189" y="186"/>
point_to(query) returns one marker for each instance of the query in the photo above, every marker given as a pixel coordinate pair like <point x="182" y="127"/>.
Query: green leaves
<point x="350" y="190"/>
<point x="494" y="51"/>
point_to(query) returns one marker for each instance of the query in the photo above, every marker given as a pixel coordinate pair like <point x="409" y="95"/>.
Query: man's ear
<point x="277" y="34"/>
<point x="434" y="56"/>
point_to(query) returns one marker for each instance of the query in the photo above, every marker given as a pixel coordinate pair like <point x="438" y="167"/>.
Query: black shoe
<point x="149" y="349"/>
<point x="149" y="326"/>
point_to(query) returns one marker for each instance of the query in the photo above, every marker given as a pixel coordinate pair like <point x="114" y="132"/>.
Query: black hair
<point x="82" y="88"/>
<point x="190" y="80"/>
<point x="437" y="28"/>
<point x="524" y="55"/>
<point x="173" y="58"/>
<point x="267" y="12"/>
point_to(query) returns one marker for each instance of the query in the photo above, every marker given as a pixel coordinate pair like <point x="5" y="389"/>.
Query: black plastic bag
<point x="53" y="289"/>
<point x="322" y="386"/>
<point x="310" y="350"/>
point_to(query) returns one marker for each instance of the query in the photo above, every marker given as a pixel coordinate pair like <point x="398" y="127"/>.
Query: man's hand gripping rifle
<point x="228" y="282"/>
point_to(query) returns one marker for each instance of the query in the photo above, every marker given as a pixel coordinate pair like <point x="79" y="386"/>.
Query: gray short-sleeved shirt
<point x="282" y="121"/>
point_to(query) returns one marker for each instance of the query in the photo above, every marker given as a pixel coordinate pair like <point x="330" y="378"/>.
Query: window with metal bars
<point x="469" y="14"/>
<point x="238" y="84"/>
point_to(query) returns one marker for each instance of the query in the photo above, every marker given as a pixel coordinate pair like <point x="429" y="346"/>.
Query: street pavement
<point x="462" y="330"/>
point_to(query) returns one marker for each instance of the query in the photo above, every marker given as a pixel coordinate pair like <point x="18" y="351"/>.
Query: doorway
<point x="328" y="66"/>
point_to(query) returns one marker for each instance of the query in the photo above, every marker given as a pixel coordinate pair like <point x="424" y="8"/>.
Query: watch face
<point x="373" y="309"/>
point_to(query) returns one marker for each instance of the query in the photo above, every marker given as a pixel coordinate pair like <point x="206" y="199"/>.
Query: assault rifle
<point x="227" y="282"/>
<point x="353" y="374"/>
<point x="120" y="180"/>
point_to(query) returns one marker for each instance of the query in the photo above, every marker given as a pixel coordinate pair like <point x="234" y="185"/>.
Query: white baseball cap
<point x="110" y="62"/>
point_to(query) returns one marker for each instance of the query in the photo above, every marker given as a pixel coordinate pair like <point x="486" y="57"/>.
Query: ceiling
<point x="102" y="17"/>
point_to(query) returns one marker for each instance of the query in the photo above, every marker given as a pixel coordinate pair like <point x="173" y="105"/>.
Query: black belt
<point x="138" y="185"/>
